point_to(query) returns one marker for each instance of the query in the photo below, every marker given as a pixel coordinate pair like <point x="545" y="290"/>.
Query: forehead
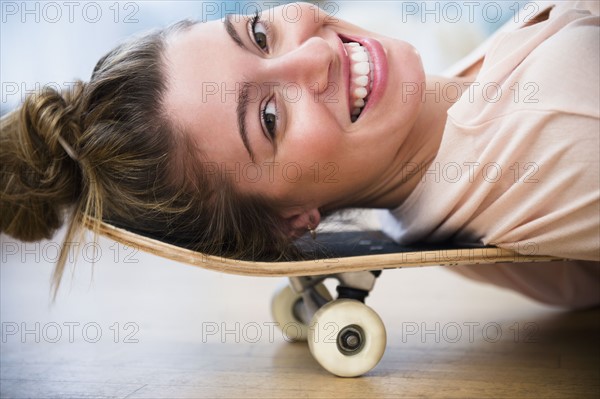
<point x="191" y="69"/>
<point x="203" y="73"/>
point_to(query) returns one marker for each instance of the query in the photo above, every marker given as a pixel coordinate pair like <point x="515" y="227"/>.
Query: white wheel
<point x="285" y="308"/>
<point x="347" y="338"/>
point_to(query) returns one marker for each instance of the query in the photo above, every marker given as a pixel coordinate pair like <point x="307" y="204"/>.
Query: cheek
<point x="308" y="155"/>
<point x="315" y="143"/>
<point x="322" y="144"/>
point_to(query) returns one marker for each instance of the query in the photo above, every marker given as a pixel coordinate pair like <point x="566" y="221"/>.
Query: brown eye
<point x="261" y="40"/>
<point x="270" y="124"/>
<point x="259" y="31"/>
<point x="269" y="118"/>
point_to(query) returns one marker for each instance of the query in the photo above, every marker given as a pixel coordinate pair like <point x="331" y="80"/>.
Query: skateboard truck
<point x="352" y="285"/>
<point x="344" y="335"/>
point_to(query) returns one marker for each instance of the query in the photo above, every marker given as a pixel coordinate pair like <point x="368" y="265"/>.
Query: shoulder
<point x="530" y="14"/>
<point x="551" y="66"/>
<point x="563" y="70"/>
<point x="593" y="6"/>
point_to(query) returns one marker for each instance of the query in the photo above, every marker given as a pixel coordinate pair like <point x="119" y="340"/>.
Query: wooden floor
<point x="147" y="328"/>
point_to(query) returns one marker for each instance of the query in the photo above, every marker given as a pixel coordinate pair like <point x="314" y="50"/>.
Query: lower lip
<point x="380" y="73"/>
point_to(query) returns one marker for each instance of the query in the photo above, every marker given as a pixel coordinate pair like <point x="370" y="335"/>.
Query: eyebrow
<point x="242" y="105"/>
<point x="232" y="32"/>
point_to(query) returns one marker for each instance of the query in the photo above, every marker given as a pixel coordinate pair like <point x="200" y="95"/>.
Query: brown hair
<point x="133" y="167"/>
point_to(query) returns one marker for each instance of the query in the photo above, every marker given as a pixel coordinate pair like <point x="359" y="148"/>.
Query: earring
<point x="313" y="233"/>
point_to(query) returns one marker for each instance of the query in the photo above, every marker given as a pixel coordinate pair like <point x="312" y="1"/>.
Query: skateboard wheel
<point x="285" y="307"/>
<point x="347" y="338"/>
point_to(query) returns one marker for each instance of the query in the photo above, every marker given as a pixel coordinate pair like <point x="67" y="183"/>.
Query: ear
<point x="298" y="222"/>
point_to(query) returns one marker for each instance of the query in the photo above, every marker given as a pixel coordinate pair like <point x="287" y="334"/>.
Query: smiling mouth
<point x="360" y="77"/>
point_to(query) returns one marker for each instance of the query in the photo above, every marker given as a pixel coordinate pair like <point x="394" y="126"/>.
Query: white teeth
<point x="361" y="77"/>
<point x="360" y="92"/>
<point x="359" y="56"/>
<point x="360" y="68"/>
<point x="361" y="80"/>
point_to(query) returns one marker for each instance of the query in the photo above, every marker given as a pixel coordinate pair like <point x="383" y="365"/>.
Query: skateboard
<point x="344" y="335"/>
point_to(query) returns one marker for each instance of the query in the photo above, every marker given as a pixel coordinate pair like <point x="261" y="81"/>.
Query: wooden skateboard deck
<point x="332" y="253"/>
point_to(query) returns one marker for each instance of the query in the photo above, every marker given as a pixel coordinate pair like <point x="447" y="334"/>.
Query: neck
<point x="420" y="145"/>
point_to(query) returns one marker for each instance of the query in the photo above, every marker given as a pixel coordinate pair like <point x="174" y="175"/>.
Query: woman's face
<point x="270" y="103"/>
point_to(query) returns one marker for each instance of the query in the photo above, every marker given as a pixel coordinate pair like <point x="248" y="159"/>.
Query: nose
<point x="307" y="65"/>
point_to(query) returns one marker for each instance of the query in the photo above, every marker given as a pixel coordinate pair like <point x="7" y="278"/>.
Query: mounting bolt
<point x="350" y="340"/>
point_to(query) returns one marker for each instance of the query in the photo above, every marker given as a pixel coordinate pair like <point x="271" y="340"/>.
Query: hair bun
<point x="39" y="179"/>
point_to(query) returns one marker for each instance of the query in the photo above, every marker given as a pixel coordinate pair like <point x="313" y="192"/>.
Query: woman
<point x="236" y="137"/>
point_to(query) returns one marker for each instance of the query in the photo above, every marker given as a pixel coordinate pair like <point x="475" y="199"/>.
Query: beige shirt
<point x="518" y="166"/>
